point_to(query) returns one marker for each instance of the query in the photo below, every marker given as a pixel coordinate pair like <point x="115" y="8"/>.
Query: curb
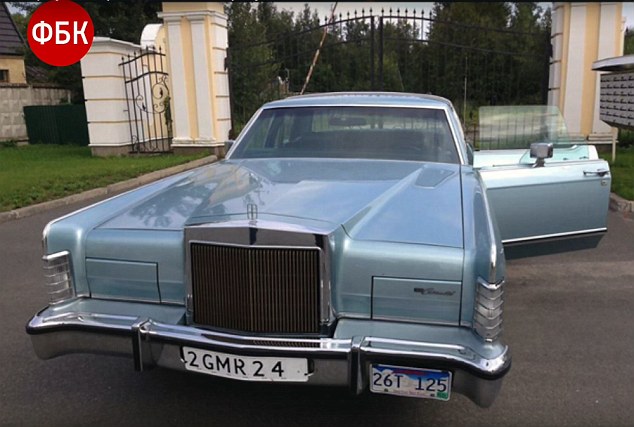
<point x="103" y="191"/>
<point x="619" y="204"/>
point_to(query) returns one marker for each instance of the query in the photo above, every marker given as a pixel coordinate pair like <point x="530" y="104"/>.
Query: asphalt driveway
<point x="569" y="322"/>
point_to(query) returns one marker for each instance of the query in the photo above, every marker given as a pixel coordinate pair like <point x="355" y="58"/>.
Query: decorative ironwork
<point x="148" y="99"/>
<point x="393" y="49"/>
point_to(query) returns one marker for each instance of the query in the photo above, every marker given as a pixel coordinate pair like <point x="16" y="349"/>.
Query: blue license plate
<point x="411" y="382"/>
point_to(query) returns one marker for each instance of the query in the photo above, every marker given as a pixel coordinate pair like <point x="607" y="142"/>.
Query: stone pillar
<point x="179" y="93"/>
<point x="104" y="92"/>
<point x="196" y="49"/>
<point x="581" y="34"/>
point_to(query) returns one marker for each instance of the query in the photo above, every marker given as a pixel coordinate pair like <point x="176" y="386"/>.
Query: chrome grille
<point x="256" y="289"/>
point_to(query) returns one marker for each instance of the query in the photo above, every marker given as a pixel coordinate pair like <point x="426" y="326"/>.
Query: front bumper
<point x="478" y="367"/>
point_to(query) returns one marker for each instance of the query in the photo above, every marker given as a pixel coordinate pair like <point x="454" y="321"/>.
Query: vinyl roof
<point x="362" y="99"/>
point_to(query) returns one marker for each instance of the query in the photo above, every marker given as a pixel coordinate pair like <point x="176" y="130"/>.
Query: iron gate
<point x="393" y="50"/>
<point x="148" y="101"/>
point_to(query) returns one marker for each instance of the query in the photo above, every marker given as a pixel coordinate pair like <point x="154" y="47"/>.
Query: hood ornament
<point x="252" y="212"/>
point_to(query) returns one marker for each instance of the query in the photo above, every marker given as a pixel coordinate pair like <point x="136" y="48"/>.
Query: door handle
<point x="598" y="172"/>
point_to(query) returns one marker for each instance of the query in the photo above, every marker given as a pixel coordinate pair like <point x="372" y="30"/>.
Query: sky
<point x="342" y="7"/>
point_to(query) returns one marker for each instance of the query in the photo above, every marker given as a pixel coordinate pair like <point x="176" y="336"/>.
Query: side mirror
<point x="541" y="151"/>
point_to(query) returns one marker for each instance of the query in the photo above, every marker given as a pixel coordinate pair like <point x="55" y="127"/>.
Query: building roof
<point x="619" y="63"/>
<point x="11" y="42"/>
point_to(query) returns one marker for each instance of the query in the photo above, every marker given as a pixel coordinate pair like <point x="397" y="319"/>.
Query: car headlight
<point x="489" y="305"/>
<point x="59" y="277"/>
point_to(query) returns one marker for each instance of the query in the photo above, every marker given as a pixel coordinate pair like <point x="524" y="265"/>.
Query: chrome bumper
<point x="334" y="361"/>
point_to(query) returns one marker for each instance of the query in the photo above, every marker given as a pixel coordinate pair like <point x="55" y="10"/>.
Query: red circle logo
<point x="60" y="32"/>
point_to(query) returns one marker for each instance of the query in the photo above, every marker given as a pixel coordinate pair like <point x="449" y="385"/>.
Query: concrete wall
<point x="13" y="98"/>
<point x="15" y="66"/>
<point x="104" y="91"/>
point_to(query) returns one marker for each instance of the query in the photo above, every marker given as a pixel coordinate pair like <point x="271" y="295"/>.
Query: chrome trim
<point x="555" y="235"/>
<point x="418" y="321"/>
<point x="263" y="224"/>
<point x="452" y="128"/>
<point x="355" y="104"/>
<point x="327" y="315"/>
<point x="52" y="257"/>
<point x="493" y="260"/>
<point x="491" y="286"/>
<point x="158" y="332"/>
<point x="335" y="361"/>
<point x="239" y="245"/>
<point x="598" y="172"/>
<point x="495" y="253"/>
<point x="101" y="297"/>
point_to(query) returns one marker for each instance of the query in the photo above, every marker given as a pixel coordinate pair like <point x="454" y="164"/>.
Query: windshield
<point x="389" y="133"/>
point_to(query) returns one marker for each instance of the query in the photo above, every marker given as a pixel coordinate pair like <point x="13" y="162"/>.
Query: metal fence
<point x="394" y="50"/>
<point x="57" y="124"/>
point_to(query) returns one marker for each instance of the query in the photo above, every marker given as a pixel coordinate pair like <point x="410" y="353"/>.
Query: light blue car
<point x="347" y="239"/>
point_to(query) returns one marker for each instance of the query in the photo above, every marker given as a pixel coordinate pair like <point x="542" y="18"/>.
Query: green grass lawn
<point x="622" y="172"/>
<point x="37" y="173"/>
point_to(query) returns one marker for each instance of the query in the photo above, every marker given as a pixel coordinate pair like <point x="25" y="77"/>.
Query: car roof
<point x="362" y="99"/>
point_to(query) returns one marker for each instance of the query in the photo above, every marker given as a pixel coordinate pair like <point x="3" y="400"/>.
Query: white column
<point x="182" y="134"/>
<point x="557" y="41"/>
<point x="201" y="78"/>
<point x="608" y="30"/>
<point x="222" y="104"/>
<point x="575" y="64"/>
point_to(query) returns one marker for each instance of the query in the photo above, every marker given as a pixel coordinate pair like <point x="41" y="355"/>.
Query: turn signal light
<point x="58" y="275"/>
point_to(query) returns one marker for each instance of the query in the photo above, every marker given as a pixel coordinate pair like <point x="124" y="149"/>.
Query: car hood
<point x="393" y="201"/>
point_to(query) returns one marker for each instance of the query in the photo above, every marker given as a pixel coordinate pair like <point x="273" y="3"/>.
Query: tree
<point x="498" y="50"/>
<point x="250" y="62"/>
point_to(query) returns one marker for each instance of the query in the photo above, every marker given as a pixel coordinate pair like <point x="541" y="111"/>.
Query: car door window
<point x="507" y="132"/>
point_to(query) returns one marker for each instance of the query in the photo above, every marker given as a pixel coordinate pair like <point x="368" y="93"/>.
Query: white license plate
<point x="245" y="367"/>
<point x="412" y="382"/>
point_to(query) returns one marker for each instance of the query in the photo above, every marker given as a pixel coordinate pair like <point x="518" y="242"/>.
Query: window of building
<point x="4" y="76"/>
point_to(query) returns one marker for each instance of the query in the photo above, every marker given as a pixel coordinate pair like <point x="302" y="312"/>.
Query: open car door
<point x="555" y="201"/>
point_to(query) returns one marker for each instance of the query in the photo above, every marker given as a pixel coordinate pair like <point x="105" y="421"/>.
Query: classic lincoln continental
<point x="346" y="239"/>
